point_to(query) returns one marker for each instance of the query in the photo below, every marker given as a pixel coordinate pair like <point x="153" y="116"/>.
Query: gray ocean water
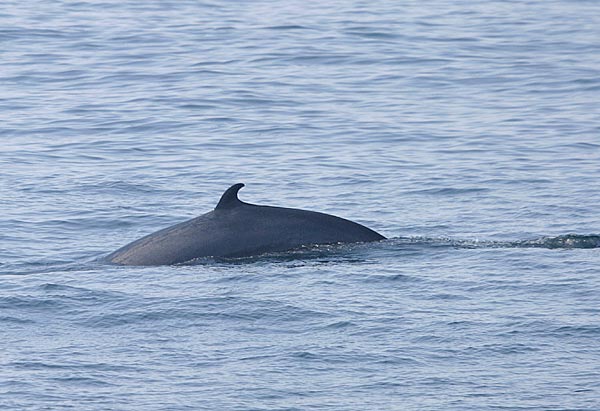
<point x="468" y="133"/>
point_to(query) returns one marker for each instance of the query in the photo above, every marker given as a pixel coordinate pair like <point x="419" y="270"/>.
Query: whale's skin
<point x="238" y="229"/>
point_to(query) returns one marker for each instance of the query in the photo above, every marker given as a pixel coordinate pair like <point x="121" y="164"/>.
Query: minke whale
<point x="238" y="229"/>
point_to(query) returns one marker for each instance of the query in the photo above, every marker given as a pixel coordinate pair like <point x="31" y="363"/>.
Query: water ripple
<point x="467" y="133"/>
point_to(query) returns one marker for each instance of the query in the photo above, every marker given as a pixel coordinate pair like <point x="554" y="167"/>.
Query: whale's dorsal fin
<point x="229" y="199"/>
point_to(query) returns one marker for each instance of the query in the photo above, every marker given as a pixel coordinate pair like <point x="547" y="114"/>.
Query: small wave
<point x="287" y="27"/>
<point x="31" y="303"/>
<point x="449" y="191"/>
<point x="578" y="331"/>
<point x="200" y="312"/>
<point x="46" y="266"/>
<point x="15" y="320"/>
<point x="566" y="241"/>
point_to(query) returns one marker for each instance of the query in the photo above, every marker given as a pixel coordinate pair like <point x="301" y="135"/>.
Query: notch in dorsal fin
<point x="229" y="199"/>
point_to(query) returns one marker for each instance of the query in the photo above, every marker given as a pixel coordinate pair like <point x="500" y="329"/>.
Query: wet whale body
<point x="238" y="229"/>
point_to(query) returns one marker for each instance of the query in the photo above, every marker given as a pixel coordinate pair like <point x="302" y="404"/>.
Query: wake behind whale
<point x="565" y="241"/>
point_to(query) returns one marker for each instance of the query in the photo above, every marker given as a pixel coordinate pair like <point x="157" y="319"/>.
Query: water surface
<point x="466" y="133"/>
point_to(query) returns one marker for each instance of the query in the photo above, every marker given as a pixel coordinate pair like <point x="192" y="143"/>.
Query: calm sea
<point x="466" y="132"/>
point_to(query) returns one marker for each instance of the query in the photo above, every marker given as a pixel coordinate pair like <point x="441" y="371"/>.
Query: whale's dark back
<point x="237" y="229"/>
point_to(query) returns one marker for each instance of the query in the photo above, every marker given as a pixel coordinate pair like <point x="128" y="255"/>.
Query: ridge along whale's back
<point x="238" y="229"/>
